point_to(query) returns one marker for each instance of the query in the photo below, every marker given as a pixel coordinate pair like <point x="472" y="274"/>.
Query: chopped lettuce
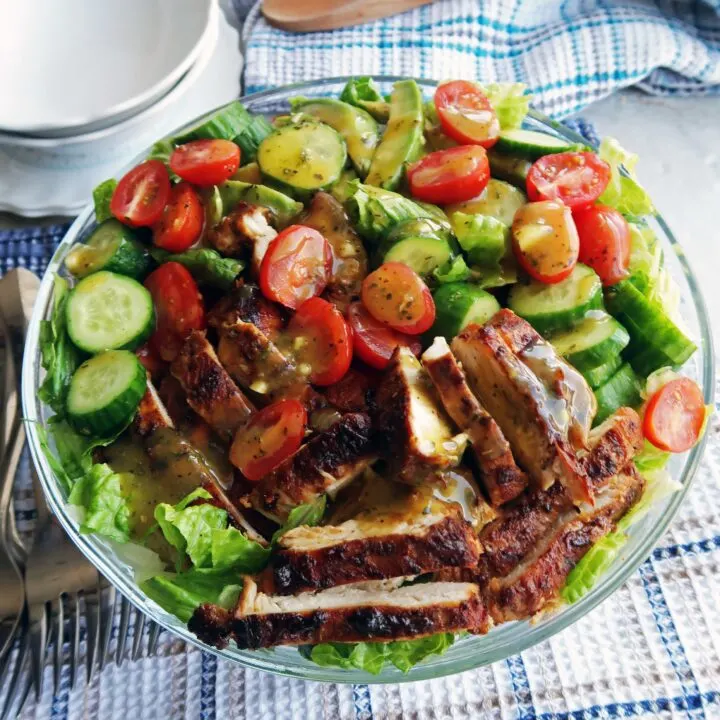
<point x="455" y="270"/>
<point x="372" y="656"/>
<point x="504" y="274"/>
<point x="308" y="514"/>
<point x="483" y="238"/>
<point x="364" y="93"/>
<point x="510" y="102"/>
<point x="59" y="357"/>
<point x="230" y="548"/>
<point x="623" y="192"/>
<point x="102" y="195"/>
<point x="650" y="458"/>
<point x="645" y="257"/>
<point x="100" y="493"/>
<point x="207" y="266"/>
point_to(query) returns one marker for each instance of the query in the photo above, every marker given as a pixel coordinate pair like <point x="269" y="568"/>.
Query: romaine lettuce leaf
<point x="364" y="93"/>
<point x="455" y="270"/>
<point x="207" y="266"/>
<point x="102" y="195"/>
<point x="100" y="493"/>
<point x="308" y="514"/>
<point x="623" y="192"/>
<point x="232" y="549"/>
<point x="510" y="102"/>
<point x="484" y="239"/>
<point x="645" y="257"/>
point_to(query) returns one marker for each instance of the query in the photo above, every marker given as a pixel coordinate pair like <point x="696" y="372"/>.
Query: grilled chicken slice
<point x="412" y="422"/>
<point x="210" y="391"/>
<point x="538" y="579"/>
<point x="343" y="614"/>
<point x="151" y="413"/>
<point x="247" y="303"/>
<point x="502" y="478"/>
<point x="326" y="463"/>
<point x="532" y="415"/>
<point x="350" y="262"/>
<point x="247" y="230"/>
<point x="386" y="546"/>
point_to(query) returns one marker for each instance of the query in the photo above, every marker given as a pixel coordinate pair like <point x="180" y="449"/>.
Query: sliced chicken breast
<point x="151" y="413"/>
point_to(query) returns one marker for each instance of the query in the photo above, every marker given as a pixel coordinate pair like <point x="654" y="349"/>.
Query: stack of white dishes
<point x="85" y="85"/>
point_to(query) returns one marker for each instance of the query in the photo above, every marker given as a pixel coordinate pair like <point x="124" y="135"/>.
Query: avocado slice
<point x="232" y="192"/>
<point x="357" y="128"/>
<point x="403" y="138"/>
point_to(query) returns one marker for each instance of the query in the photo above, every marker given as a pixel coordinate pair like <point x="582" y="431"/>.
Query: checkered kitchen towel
<point x="569" y="52"/>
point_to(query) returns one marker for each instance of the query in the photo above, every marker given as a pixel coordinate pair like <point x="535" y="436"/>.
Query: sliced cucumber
<point x="226" y="124"/>
<point x="595" y="341"/>
<point x="621" y="390"/>
<point x="423" y="244"/>
<point x="499" y="200"/>
<point x="510" y="168"/>
<point x="531" y="144"/>
<point x="232" y="192"/>
<point x="105" y="392"/>
<point x="459" y="304"/>
<point x="646" y="359"/>
<point x="358" y="128"/>
<point x="602" y="373"/>
<point x="303" y="158"/>
<point x="484" y="239"/>
<point x="403" y="138"/>
<point x="555" y="307"/>
<point x="107" y="311"/>
<point x="250" y="137"/>
<point x="648" y="324"/>
<point x="111" y="246"/>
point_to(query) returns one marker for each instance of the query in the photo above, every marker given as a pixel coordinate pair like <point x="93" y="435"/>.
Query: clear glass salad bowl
<point x="467" y="652"/>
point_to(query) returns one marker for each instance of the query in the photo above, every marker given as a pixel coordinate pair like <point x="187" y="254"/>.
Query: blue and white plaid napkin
<point x="569" y="52"/>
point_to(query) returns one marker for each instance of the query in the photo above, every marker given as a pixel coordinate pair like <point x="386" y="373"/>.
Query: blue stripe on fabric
<point x="362" y="702"/>
<point x="521" y="687"/>
<point x="692" y="548"/>
<point x="60" y="705"/>
<point x="671" y="638"/>
<point x="207" y="686"/>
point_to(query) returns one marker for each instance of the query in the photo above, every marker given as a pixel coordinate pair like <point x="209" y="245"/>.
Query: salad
<point x="368" y="376"/>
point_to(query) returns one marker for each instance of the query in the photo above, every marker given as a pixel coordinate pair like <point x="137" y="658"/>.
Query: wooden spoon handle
<point x="312" y="15"/>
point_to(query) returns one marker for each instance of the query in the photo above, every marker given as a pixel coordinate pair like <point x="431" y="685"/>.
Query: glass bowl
<point x="468" y="652"/>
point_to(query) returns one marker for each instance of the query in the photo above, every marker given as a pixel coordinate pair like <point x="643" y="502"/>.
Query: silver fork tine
<point x="92" y="628"/>
<point x="153" y="638"/>
<point x="122" y="631"/>
<point x="17" y="673"/>
<point x="74" y="601"/>
<point x="58" y="636"/>
<point x="137" y="647"/>
<point x="108" y="598"/>
<point x="38" y="644"/>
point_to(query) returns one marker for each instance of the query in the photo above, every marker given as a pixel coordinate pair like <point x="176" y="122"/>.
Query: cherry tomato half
<point x="141" y="194"/>
<point x="604" y="242"/>
<point x="296" y="266"/>
<point x="674" y="416"/>
<point x="396" y="295"/>
<point x="321" y="340"/>
<point x="545" y="241"/>
<point x="576" y="179"/>
<point x="272" y="435"/>
<point x="450" y="176"/>
<point x="178" y="307"/>
<point x="205" y="162"/>
<point x="466" y="115"/>
<point x="182" y="220"/>
<point x="373" y="342"/>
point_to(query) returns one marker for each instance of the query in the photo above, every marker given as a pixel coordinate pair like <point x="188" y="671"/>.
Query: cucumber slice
<point x="403" y="138"/>
<point x="558" y="307"/>
<point x="647" y="322"/>
<point x="459" y="304"/>
<point x="357" y="127"/>
<point x="621" y="390"/>
<point x="596" y="340"/>
<point x="226" y="124"/>
<point x="231" y="192"/>
<point x="602" y="373"/>
<point x="499" y="200"/>
<point x="250" y="137"/>
<point x="105" y="392"/>
<point x="485" y="239"/>
<point x="107" y="311"/>
<point x="531" y="144"/>
<point x="302" y="158"/>
<point x="422" y="254"/>
<point x="645" y="359"/>
<point x="111" y="246"/>
<point x="510" y="168"/>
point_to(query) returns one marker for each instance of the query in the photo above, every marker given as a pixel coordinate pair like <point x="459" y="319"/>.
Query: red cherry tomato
<point x="545" y="241"/>
<point x="205" y="162"/>
<point x="373" y="342"/>
<point x="450" y="176"/>
<point x="466" y="115"/>
<point x="674" y="416"/>
<point x="151" y="360"/>
<point x="576" y="179"/>
<point x="182" y="220"/>
<point x="604" y="242"/>
<point x="141" y="194"/>
<point x="321" y="340"/>
<point x="396" y="295"/>
<point x="296" y="266"/>
<point x="178" y="306"/>
<point x="272" y="435"/>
